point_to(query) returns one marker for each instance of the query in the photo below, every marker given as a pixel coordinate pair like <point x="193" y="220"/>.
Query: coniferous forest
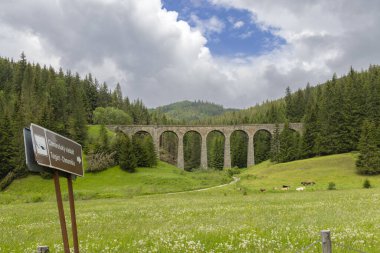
<point x="60" y="101"/>
<point x="340" y="115"/>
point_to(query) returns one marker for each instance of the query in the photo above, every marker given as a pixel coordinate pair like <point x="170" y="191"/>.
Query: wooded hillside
<point x="62" y="102"/>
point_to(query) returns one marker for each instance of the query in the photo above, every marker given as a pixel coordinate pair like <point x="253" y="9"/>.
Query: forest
<point x="340" y="115"/>
<point x="60" y="101"/>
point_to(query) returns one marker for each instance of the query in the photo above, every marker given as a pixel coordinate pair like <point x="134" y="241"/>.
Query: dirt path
<point x="236" y="179"/>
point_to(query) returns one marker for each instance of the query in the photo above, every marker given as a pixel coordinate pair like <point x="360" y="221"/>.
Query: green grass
<point x="235" y="218"/>
<point x="216" y="221"/>
<point x="115" y="183"/>
<point x="339" y="169"/>
<point x="94" y="130"/>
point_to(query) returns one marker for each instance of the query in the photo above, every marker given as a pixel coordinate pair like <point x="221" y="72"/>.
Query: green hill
<point x="339" y="169"/>
<point x="235" y="218"/>
<point x="114" y="183"/>
<point x="191" y="111"/>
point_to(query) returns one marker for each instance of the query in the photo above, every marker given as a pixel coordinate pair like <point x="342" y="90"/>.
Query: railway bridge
<point x="157" y="130"/>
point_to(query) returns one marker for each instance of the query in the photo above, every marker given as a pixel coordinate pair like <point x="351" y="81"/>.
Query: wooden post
<point x="326" y="241"/>
<point x="72" y="212"/>
<point x="61" y="212"/>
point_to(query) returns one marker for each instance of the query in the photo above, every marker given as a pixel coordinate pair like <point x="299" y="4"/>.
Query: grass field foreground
<point x="122" y="216"/>
<point x="222" y="220"/>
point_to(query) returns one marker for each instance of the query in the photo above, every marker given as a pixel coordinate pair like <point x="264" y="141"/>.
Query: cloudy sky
<point x="232" y="52"/>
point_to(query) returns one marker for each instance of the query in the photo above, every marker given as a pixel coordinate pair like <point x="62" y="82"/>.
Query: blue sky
<point x="229" y="31"/>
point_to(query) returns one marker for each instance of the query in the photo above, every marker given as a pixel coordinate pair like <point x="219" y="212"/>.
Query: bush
<point x="100" y="161"/>
<point x="232" y="171"/>
<point x="331" y="186"/>
<point x="46" y="174"/>
<point x="367" y="184"/>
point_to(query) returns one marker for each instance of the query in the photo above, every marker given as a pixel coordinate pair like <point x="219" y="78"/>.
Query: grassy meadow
<point x="114" y="183"/>
<point x="234" y="218"/>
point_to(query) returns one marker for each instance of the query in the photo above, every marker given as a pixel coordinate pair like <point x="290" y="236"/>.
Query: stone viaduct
<point x="157" y="130"/>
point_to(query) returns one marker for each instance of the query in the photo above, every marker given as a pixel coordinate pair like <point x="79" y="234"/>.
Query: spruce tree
<point x="149" y="151"/>
<point x="289" y="143"/>
<point x="310" y="127"/>
<point x="262" y="146"/>
<point x="125" y="153"/>
<point x="368" y="162"/>
<point x="275" y="145"/>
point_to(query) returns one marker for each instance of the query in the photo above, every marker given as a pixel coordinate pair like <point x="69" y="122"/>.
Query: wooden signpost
<point x="46" y="150"/>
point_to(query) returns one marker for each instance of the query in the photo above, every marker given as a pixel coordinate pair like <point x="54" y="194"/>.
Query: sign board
<point x="29" y="153"/>
<point x="56" y="151"/>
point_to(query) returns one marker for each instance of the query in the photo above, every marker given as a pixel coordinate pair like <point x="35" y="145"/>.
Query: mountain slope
<point x="191" y="111"/>
<point x="339" y="169"/>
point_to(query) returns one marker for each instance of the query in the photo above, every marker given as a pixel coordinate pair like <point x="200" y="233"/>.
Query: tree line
<point x="340" y="115"/>
<point x="60" y="101"/>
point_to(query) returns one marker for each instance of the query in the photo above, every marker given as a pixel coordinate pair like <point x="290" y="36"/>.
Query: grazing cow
<point x="285" y="187"/>
<point x="262" y="189"/>
<point x="304" y="183"/>
<point x="300" y="188"/>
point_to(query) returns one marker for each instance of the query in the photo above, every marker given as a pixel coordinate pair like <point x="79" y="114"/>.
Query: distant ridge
<point x="191" y="111"/>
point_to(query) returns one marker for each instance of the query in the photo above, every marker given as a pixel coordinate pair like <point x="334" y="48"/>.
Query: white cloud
<point x="208" y="26"/>
<point x="246" y="35"/>
<point x="238" y="24"/>
<point x="160" y="59"/>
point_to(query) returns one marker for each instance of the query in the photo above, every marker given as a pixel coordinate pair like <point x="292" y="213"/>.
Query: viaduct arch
<point x="157" y="130"/>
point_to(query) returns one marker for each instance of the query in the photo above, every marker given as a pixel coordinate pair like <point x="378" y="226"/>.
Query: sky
<point x="236" y="53"/>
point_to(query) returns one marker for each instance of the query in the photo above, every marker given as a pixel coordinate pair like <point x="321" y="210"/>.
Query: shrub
<point x="100" y="161"/>
<point x="331" y="186"/>
<point x="367" y="184"/>
<point x="46" y="174"/>
<point x="232" y="171"/>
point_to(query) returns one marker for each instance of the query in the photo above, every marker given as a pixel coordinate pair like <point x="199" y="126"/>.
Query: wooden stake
<point x="326" y="241"/>
<point x="72" y="212"/>
<point x="61" y="212"/>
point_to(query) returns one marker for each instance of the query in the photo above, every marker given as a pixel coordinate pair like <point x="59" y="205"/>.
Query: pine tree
<point x="262" y="145"/>
<point x="5" y="146"/>
<point x="192" y="150"/>
<point x="289" y="144"/>
<point x="275" y="145"/>
<point x="103" y="143"/>
<point x="290" y="112"/>
<point x="117" y="97"/>
<point x="239" y="145"/>
<point x="369" y="158"/>
<point x="126" y="155"/>
<point x="215" y="150"/>
<point x="310" y="135"/>
<point x="149" y="151"/>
